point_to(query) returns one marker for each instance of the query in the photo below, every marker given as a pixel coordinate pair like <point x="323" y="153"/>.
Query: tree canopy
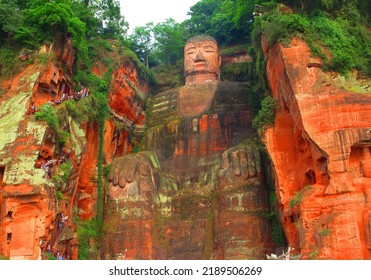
<point x="28" y="23"/>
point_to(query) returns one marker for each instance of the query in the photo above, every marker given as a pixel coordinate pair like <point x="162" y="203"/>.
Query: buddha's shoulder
<point x="168" y="94"/>
<point x="223" y="90"/>
<point x="164" y="104"/>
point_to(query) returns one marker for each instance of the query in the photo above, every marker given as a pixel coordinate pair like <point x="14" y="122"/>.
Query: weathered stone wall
<point x="204" y="206"/>
<point x="31" y="202"/>
<point x="26" y="211"/>
<point x="190" y="202"/>
<point x="319" y="146"/>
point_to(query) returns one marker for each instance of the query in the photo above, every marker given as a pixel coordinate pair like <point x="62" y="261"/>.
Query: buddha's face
<point x="201" y="61"/>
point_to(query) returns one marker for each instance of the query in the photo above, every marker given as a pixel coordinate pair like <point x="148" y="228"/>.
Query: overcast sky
<point x="140" y="12"/>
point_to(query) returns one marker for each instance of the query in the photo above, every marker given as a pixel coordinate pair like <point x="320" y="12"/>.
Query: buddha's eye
<point x="209" y="50"/>
<point x="190" y="51"/>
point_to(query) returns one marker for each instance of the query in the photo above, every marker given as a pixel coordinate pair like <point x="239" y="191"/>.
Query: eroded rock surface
<point x="320" y="149"/>
<point x="195" y="191"/>
<point x="33" y="203"/>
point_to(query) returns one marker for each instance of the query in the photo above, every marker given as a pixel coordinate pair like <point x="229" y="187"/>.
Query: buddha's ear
<point x="219" y="65"/>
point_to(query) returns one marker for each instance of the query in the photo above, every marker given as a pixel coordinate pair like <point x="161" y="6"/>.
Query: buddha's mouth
<point x="199" y="63"/>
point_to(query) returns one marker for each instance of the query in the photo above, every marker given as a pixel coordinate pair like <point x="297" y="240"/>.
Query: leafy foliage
<point x="10" y="19"/>
<point x="170" y="38"/>
<point x="278" y="234"/>
<point x="49" y="256"/>
<point x="48" y="114"/>
<point x="87" y="233"/>
<point x="298" y="196"/>
<point x="46" y="19"/>
<point x="114" y="24"/>
<point x="336" y="30"/>
<point x="9" y="62"/>
<point x="296" y="199"/>
<point x="59" y="195"/>
<point x="226" y="21"/>
<point x="348" y="44"/>
<point x="62" y="173"/>
<point x="161" y="43"/>
<point x="355" y="11"/>
<point x="141" y="42"/>
<point x="27" y="24"/>
<point x="313" y="254"/>
<point x="325" y="232"/>
<point x="265" y="116"/>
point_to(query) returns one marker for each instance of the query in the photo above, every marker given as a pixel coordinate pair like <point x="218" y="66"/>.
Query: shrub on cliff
<point x="343" y="44"/>
<point x="265" y="116"/>
<point x="62" y="174"/>
<point x="87" y="233"/>
<point x="48" y="114"/>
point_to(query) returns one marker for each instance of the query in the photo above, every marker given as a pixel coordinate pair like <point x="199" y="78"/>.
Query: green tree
<point x="114" y="23"/>
<point x="231" y="25"/>
<point x="10" y="19"/>
<point x="141" y="42"/>
<point x="87" y="14"/>
<point x="43" y="20"/>
<point x="228" y="21"/>
<point x="243" y="13"/>
<point x="201" y="16"/>
<point x="170" y="38"/>
<point x="353" y="10"/>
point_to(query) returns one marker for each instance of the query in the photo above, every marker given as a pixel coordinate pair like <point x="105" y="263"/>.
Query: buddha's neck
<point x="201" y="78"/>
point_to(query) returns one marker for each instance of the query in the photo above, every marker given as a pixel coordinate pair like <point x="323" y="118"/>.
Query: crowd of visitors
<point x="84" y="92"/>
<point x="50" y="164"/>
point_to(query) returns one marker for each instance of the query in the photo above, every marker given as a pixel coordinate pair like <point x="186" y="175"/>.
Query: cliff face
<point x="28" y="197"/>
<point x="320" y="148"/>
<point x="32" y="200"/>
<point x="24" y="195"/>
<point x="183" y="196"/>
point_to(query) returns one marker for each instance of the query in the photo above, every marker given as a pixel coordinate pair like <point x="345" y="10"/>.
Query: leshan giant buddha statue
<point x="195" y="191"/>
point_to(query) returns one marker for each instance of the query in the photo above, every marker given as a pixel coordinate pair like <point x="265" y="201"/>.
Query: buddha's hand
<point x="240" y="164"/>
<point x="134" y="175"/>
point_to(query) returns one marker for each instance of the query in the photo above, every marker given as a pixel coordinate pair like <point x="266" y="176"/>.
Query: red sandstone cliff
<point x="31" y="203"/>
<point x="320" y="149"/>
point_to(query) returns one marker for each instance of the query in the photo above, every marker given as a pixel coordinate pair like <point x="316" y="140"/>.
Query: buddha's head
<point x="201" y="60"/>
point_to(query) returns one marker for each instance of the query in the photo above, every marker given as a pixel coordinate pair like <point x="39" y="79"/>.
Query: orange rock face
<point x="197" y="192"/>
<point x="26" y="200"/>
<point x="128" y="94"/>
<point x="193" y="192"/>
<point x="320" y="149"/>
<point x="31" y="202"/>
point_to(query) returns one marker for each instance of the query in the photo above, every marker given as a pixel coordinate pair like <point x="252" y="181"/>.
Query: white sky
<point x="140" y="12"/>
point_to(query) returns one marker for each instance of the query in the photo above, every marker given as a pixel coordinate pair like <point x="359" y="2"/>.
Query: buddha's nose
<point x="199" y="57"/>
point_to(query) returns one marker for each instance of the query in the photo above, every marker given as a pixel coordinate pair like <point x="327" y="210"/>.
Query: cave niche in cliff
<point x="360" y="152"/>
<point x="2" y="171"/>
<point x="322" y="164"/>
<point x="310" y="177"/>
